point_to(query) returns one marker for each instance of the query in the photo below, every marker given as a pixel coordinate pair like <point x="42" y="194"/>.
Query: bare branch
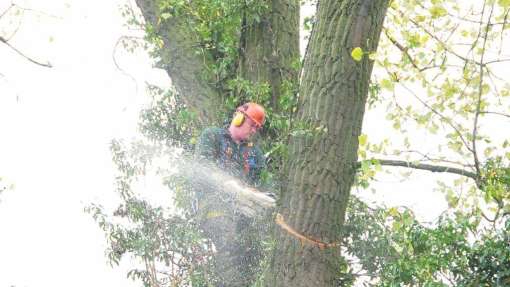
<point x="480" y="92"/>
<point x="401" y="48"/>
<point x="440" y="41"/>
<point x="464" y="18"/>
<point x="495" y="113"/>
<point x="47" y="65"/>
<point x="36" y="11"/>
<point x="448" y="121"/>
<point x="502" y="32"/>
<point x="428" y="167"/>
<point x="119" y="40"/>
<point x="6" y="10"/>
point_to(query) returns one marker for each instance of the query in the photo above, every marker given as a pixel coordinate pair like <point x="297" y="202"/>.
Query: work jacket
<point x="244" y="161"/>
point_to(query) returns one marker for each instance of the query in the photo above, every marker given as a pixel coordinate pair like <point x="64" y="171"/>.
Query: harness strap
<point x="226" y="153"/>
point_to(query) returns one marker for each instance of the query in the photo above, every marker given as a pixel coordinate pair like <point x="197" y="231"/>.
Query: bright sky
<point x="55" y="128"/>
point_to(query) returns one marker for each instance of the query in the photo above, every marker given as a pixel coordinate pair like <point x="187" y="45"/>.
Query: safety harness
<point x="232" y="155"/>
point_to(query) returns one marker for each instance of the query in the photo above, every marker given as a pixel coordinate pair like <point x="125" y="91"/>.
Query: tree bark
<point x="270" y="46"/>
<point x="181" y="60"/>
<point x="322" y="164"/>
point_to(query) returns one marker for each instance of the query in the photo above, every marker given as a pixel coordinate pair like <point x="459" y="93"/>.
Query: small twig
<point x="6" y="10"/>
<point x="495" y="113"/>
<point x="503" y="32"/>
<point x="119" y="40"/>
<point x="37" y="12"/>
<point x="448" y="121"/>
<point x="440" y="41"/>
<point x="403" y="49"/>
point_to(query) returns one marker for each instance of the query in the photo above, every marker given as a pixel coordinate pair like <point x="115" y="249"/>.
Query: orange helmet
<point x="253" y="111"/>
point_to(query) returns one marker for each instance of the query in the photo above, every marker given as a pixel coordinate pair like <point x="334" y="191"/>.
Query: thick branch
<point x="180" y="59"/>
<point x="428" y="167"/>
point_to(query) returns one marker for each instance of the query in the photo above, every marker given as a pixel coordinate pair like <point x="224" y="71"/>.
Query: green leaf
<point x="393" y="211"/>
<point x="357" y="54"/>
<point x="387" y="84"/>
<point x="438" y="11"/>
<point x="504" y="3"/>
<point x="165" y="16"/>
<point x="362" y="139"/>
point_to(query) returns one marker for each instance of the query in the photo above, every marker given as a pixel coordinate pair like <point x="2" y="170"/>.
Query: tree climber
<point x="231" y="149"/>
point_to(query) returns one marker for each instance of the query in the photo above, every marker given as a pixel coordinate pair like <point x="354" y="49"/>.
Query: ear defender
<point x="238" y="119"/>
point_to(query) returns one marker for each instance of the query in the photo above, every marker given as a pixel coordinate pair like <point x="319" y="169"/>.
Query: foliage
<point x="168" y="120"/>
<point x="439" y="47"/>
<point x="391" y="248"/>
<point x="451" y="53"/>
<point x="217" y="27"/>
<point x="168" y="244"/>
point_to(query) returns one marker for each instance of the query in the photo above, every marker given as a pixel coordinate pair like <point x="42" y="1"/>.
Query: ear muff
<point x="238" y="119"/>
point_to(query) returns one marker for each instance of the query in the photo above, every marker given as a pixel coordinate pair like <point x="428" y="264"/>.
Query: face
<point x="245" y="131"/>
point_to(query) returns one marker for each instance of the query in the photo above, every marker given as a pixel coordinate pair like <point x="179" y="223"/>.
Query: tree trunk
<point x="322" y="162"/>
<point x="184" y="65"/>
<point x="270" y="46"/>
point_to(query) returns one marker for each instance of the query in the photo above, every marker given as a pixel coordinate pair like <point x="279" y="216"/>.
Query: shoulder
<point x="210" y="137"/>
<point x="212" y="133"/>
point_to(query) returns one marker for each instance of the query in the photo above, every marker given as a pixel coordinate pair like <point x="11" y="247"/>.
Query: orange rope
<point x="303" y="238"/>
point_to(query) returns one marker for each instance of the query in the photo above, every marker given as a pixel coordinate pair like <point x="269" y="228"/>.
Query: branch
<point x="6" y="10"/>
<point x="47" y="65"/>
<point x="440" y="41"/>
<point x="37" y="12"/>
<point x="403" y="49"/>
<point x="428" y="167"/>
<point x="447" y="120"/>
<point x="480" y="92"/>
<point x="182" y="62"/>
<point x="495" y="113"/>
<point x="119" y="40"/>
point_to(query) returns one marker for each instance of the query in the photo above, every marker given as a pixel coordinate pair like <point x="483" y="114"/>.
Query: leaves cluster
<point x="169" y="245"/>
<point x="427" y="45"/>
<point x="389" y="247"/>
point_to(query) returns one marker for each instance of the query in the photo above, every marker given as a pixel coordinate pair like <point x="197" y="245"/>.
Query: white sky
<point x="55" y="128"/>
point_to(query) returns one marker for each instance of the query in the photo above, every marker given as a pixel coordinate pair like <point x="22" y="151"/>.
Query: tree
<point x="330" y="78"/>
<point x="205" y="46"/>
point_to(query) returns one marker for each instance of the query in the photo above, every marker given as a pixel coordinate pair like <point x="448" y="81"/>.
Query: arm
<point x="208" y="145"/>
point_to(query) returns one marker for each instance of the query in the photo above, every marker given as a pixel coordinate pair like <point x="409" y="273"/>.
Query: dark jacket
<point x="244" y="160"/>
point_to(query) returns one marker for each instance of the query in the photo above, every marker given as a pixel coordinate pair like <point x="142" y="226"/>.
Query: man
<point x="231" y="149"/>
